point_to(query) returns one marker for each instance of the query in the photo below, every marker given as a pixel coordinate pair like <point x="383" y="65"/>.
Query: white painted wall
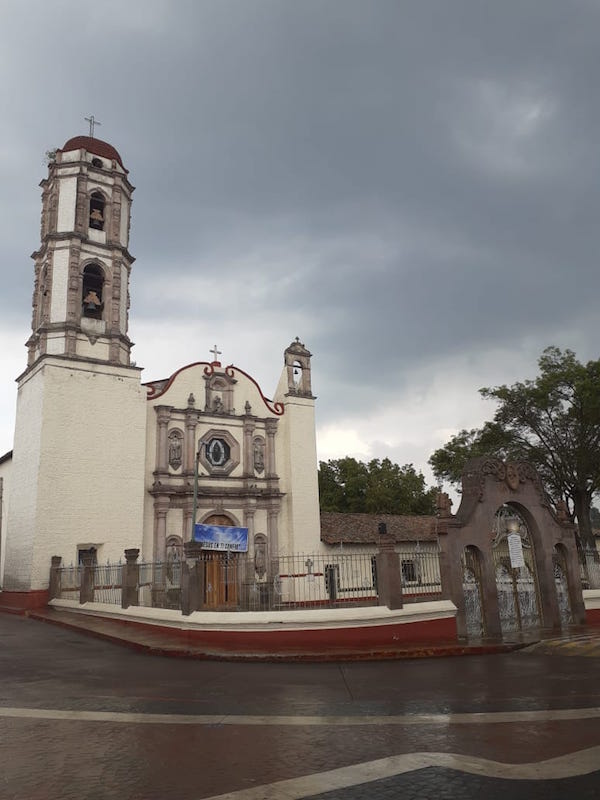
<point x="67" y="198"/>
<point x="60" y="277"/>
<point x="79" y="455"/>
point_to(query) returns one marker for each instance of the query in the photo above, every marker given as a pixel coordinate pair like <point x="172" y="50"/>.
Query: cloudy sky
<point x="412" y="187"/>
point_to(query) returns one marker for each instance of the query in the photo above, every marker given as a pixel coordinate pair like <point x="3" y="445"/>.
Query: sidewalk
<point x="180" y="644"/>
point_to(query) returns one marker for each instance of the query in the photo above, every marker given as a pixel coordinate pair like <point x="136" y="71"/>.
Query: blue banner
<point x="220" y="537"/>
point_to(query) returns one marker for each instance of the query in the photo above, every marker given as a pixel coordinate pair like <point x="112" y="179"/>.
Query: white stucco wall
<point x="60" y="275"/>
<point x="5" y="473"/>
<point x="79" y="455"/>
<point x="67" y="198"/>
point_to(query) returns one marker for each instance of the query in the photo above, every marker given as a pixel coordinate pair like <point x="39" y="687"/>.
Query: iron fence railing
<point x="590" y="568"/>
<point x="160" y="584"/>
<point x="236" y="582"/>
<point x="107" y="583"/>
<point x="70" y="582"/>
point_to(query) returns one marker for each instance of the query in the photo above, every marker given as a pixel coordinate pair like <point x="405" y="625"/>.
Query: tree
<point x="552" y="422"/>
<point x="379" y="487"/>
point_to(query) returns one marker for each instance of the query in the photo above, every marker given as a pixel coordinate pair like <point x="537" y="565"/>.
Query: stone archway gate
<point x="487" y="485"/>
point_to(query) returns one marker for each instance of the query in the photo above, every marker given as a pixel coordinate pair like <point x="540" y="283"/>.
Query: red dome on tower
<point x="93" y="145"/>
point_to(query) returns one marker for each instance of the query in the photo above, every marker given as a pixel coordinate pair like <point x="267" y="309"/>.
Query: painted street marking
<point x="568" y="766"/>
<point x="129" y="717"/>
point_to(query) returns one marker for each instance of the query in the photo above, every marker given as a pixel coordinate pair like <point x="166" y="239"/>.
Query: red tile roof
<point x="363" y="528"/>
<point x="92" y="145"/>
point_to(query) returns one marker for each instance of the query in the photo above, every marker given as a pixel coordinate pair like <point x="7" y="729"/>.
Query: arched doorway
<point x="472" y="589"/>
<point x="221" y="570"/>
<point x="515" y="569"/>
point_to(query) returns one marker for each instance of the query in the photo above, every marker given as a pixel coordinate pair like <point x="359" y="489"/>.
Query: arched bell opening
<point x="97" y="206"/>
<point x="92" y="291"/>
<point x="515" y="569"/>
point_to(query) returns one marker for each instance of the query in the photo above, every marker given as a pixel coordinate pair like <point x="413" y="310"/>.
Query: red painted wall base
<point x="592" y="616"/>
<point x="302" y="640"/>
<point x="23" y="601"/>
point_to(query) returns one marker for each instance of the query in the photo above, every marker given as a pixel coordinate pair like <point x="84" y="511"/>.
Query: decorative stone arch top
<point x="515" y="475"/>
<point x="156" y="389"/>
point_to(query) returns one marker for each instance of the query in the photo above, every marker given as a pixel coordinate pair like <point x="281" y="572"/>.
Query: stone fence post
<point x="86" y="591"/>
<point x="192" y="579"/>
<point x="54" y="587"/>
<point x="389" y="574"/>
<point x="130" y="578"/>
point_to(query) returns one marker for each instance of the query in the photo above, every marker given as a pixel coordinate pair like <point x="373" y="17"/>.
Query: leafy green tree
<point x="552" y="422"/>
<point x="379" y="487"/>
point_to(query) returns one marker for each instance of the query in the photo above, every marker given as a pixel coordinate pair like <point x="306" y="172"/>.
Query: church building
<point x="101" y="461"/>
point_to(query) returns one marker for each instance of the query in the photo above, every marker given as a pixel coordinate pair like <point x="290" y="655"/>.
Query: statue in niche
<point x="260" y="557"/>
<point x="259" y="455"/>
<point x="218" y="405"/>
<point x="175" y="449"/>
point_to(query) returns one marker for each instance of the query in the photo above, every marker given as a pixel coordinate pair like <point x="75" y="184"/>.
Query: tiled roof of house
<point x="363" y="528"/>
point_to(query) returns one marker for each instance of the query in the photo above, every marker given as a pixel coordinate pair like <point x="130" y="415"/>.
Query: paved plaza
<point x="81" y="717"/>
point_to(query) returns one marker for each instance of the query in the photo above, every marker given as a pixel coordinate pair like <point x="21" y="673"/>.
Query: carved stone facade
<point x="129" y="453"/>
<point x="240" y="478"/>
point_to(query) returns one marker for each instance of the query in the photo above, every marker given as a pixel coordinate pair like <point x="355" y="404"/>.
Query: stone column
<point x="192" y="579"/>
<point x="161" y="507"/>
<point x="189" y="442"/>
<point x="86" y="590"/>
<point x="163" y="414"/>
<point x="130" y="578"/>
<point x="273" y="532"/>
<point x="186" y="533"/>
<point x="249" y="427"/>
<point x="389" y="574"/>
<point x="271" y="467"/>
<point x="54" y="587"/>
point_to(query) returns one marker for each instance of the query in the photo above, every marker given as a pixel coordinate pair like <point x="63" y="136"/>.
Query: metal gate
<point x="472" y="591"/>
<point x="516" y="581"/>
<point x="562" y="588"/>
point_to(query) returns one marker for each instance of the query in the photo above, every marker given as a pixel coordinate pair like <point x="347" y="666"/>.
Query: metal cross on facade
<point x="93" y="122"/>
<point x="216" y="353"/>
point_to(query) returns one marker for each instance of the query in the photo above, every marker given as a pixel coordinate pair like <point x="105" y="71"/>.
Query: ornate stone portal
<point x="515" y="569"/>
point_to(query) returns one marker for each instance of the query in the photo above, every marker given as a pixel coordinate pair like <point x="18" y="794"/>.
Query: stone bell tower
<point x="81" y="291"/>
<point x="78" y="456"/>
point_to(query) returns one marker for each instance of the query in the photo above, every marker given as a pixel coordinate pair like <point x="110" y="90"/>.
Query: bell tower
<point x="79" y="446"/>
<point x="82" y="268"/>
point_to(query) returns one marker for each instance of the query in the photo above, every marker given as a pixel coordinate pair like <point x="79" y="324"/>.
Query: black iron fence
<point x="236" y="582"/>
<point x="590" y="568"/>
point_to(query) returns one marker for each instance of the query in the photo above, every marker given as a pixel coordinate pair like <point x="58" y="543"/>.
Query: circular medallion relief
<point x="217" y="452"/>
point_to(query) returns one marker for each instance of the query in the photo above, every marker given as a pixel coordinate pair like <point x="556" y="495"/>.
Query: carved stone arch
<point x="98" y="203"/>
<point x="488" y="485"/>
<point x="95" y="288"/>
<point x="220" y="517"/>
<point x="219" y="393"/>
